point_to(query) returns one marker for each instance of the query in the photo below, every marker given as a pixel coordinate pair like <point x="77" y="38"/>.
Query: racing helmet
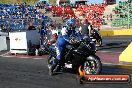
<point x="71" y="22"/>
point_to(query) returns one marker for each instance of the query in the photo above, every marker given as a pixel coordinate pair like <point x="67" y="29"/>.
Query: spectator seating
<point x="17" y="17"/>
<point x="121" y="12"/>
<point x="62" y="11"/>
<point x="92" y="12"/>
<point x="56" y="10"/>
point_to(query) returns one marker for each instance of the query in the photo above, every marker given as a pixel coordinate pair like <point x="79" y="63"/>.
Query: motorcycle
<point x="78" y="57"/>
<point x="96" y="37"/>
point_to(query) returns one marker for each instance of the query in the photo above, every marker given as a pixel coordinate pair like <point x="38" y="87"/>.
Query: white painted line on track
<point x="108" y="63"/>
<point x="119" y="64"/>
<point x="5" y="54"/>
<point x="108" y="52"/>
<point x="23" y="57"/>
<point x="37" y="58"/>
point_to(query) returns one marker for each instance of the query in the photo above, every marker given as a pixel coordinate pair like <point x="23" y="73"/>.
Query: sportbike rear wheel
<point x="92" y="65"/>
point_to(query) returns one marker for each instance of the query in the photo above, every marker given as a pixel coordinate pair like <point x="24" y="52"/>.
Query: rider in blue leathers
<point x="64" y="39"/>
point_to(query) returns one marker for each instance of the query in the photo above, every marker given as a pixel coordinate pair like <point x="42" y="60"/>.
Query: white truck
<point x="22" y="42"/>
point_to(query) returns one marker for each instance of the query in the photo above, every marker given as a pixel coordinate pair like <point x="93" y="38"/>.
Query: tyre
<point x="99" y="42"/>
<point x="80" y="80"/>
<point x="92" y="65"/>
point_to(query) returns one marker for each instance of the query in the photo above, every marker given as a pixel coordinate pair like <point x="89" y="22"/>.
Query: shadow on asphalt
<point x="114" y="45"/>
<point x="111" y="44"/>
<point x="116" y="69"/>
<point x="106" y="70"/>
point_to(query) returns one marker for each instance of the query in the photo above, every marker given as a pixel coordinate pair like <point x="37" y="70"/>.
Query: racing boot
<point x="53" y="68"/>
<point x="59" y="66"/>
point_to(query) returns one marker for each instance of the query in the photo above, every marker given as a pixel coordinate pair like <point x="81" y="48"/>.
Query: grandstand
<point x="18" y="17"/>
<point x="30" y="2"/>
<point x="97" y="14"/>
<point x="123" y="14"/>
<point x="113" y="15"/>
<point x="92" y="12"/>
<point x="106" y="16"/>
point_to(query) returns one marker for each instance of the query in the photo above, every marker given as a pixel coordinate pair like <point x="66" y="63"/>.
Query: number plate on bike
<point x="68" y="65"/>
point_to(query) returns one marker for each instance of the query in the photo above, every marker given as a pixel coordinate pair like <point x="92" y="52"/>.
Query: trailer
<point x="24" y="42"/>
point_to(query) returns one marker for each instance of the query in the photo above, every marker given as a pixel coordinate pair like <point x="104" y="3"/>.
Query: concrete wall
<point x="120" y="32"/>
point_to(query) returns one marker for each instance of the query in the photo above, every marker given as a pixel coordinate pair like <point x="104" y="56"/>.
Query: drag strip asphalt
<point x="32" y="72"/>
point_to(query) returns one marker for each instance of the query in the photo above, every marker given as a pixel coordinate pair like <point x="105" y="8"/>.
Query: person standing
<point x="86" y="28"/>
<point x="43" y="33"/>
